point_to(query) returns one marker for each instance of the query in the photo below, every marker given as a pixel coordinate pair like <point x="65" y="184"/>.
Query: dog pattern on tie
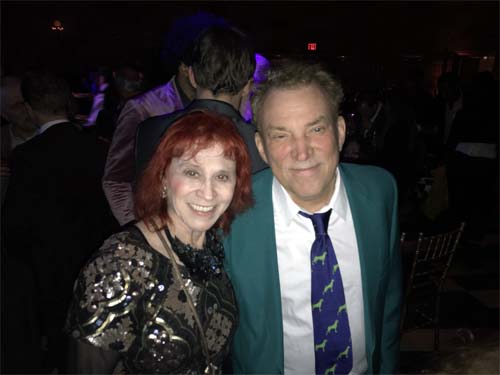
<point x="332" y="329"/>
<point x="332" y="337"/>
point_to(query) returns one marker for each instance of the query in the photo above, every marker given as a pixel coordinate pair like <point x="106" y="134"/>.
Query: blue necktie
<point x="332" y="336"/>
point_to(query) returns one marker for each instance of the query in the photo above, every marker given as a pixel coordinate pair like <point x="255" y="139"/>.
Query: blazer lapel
<point x="253" y="267"/>
<point x="270" y="279"/>
<point x="363" y="219"/>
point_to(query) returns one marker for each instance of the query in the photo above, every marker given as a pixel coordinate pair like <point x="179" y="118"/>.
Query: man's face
<point x="301" y="144"/>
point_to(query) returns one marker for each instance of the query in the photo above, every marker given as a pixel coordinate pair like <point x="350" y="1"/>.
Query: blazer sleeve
<point x="119" y="169"/>
<point x="389" y="354"/>
<point x="19" y="218"/>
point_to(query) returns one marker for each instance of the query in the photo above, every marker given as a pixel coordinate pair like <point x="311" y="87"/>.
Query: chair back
<point x="432" y="256"/>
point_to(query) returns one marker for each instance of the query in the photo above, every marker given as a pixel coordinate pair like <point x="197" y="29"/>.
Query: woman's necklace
<point x="203" y="263"/>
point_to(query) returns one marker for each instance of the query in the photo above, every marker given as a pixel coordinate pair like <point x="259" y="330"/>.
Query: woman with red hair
<point x="155" y="297"/>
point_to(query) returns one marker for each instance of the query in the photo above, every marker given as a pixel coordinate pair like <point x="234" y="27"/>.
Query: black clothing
<point x="150" y="131"/>
<point x="55" y="216"/>
<point x="130" y="315"/>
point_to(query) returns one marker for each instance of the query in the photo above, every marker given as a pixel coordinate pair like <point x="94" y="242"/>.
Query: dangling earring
<point x="164" y="191"/>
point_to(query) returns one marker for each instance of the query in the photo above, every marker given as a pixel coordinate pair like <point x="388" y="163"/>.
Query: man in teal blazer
<point x="300" y="136"/>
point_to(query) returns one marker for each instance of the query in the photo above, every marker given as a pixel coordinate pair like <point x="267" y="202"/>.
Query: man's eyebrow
<point x="276" y="127"/>
<point x="316" y="121"/>
<point x="321" y="118"/>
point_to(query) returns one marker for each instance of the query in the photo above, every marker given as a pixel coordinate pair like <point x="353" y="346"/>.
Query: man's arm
<point x="119" y="169"/>
<point x="21" y="202"/>
<point x="389" y="351"/>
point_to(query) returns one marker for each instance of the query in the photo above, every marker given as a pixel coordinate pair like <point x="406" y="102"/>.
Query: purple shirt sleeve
<point x="119" y="169"/>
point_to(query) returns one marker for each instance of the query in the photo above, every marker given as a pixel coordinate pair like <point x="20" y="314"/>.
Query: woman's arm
<point x="84" y="358"/>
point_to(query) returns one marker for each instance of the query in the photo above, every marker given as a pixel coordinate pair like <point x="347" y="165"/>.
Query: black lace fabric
<point x="202" y="263"/>
<point x="129" y="312"/>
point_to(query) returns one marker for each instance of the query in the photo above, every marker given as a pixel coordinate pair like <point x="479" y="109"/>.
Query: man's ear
<point x="31" y="113"/>
<point x="259" y="142"/>
<point x="341" y="129"/>
<point x="182" y="69"/>
<point x="190" y="75"/>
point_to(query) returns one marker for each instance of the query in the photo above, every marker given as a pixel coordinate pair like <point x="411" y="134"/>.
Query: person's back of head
<point x="261" y="68"/>
<point x="128" y="81"/>
<point x="12" y="105"/>
<point x="46" y="93"/>
<point x="10" y="91"/>
<point x="223" y="60"/>
<point x="182" y="34"/>
<point x="367" y="101"/>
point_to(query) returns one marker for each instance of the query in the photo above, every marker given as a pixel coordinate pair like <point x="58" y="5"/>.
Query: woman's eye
<point x="191" y="173"/>
<point x="223" y="177"/>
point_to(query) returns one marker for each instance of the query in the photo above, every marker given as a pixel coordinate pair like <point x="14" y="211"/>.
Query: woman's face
<point x="199" y="189"/>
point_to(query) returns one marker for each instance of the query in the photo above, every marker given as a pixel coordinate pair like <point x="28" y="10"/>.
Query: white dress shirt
<point x="294" y="238"/>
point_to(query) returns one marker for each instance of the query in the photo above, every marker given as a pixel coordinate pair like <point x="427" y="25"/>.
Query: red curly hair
<point x="190" y="134"/>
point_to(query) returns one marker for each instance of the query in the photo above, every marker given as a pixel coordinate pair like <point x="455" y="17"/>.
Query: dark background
<point x="378" y="40"/>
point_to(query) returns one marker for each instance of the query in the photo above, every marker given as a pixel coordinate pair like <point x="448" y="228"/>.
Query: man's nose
<point x="301" y="148"/>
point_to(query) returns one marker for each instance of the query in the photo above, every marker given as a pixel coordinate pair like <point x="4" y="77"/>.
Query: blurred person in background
<point x="223" y="65"/>
<point x="127" y="82"/>
<point x="174" y="95"/>
<point x="16" y="125"/>
<point x="472" y="158"/>
<point x="55" y="213"/>
<point x="103" y="80"/>
<point x="261" y="66"/>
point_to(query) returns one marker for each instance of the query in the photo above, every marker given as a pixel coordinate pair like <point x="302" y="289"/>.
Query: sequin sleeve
<point x="107" y="293"/>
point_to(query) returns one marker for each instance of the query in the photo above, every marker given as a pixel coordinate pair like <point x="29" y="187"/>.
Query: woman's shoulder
<point x="125" y="251"/>
<point x="110" y="287"/>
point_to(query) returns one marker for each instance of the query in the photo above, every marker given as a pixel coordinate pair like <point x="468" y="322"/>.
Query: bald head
<point x="12" y="104"/>
<point x="10" y="91"/>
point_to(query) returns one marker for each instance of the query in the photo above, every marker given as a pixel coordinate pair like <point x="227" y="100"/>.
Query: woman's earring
<point x="164" y="192"/>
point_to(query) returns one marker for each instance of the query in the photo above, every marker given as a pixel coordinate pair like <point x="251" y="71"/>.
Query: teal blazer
<point x="252" y="265"/>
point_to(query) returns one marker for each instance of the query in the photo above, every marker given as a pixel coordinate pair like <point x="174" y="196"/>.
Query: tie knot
<point x="320" y="221"/>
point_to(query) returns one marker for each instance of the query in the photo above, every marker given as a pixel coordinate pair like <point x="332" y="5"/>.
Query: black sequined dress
<point x="129" y="305"/>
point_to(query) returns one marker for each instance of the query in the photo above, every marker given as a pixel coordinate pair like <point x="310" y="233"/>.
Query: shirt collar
<point x="289" y="210"/>
<point x="47" y="125"/>
<point x="223" y="108"/>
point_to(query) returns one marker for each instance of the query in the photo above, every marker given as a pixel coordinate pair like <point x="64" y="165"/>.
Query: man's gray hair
<point x="293" y="74"/>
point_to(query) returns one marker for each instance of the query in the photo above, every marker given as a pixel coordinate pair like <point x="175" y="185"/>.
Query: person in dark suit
<point x="291" y="321"/>
<point x="55" y="211"/>
<point x="223" y="64"/>
<point x="171" y="96"/>
<point x="15" y="128"/>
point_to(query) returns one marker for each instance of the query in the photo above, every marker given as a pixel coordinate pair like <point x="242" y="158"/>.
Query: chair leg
<point x="436" y="338"/>
<point x="403" y="318"/>
<point x="436" y="324"/>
